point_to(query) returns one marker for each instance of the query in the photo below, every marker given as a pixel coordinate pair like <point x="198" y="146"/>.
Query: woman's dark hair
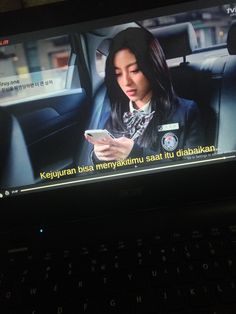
<point x="152" y="63"/>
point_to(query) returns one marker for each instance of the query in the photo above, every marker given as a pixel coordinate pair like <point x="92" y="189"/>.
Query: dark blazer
<point x="183" y="129"/>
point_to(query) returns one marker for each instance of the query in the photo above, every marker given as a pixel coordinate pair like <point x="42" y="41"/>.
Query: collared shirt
<point x="136" y="121"/>
<point x="145" y="108"/>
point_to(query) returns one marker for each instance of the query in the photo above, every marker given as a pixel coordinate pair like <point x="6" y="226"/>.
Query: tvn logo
<point x="231" y="11"/>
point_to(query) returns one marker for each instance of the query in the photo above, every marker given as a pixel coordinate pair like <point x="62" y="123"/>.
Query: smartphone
<point x="98" y="134"/>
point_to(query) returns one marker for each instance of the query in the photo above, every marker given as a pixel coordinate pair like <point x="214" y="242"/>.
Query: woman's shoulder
<point x="185" y="103"/>
<point x="184" y="108"/>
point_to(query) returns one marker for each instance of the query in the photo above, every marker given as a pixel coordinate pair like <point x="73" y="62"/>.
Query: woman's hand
<point x="112" y="149"/>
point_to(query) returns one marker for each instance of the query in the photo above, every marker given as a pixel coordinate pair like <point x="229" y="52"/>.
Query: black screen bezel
<point x="167" y="190"/>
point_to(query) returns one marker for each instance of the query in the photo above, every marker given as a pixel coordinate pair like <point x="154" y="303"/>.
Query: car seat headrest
<point x="177" y="40"/>
<point x="231" y="39"/>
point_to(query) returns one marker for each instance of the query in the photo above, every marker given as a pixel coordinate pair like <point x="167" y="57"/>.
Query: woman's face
<point x="130" y="79"/>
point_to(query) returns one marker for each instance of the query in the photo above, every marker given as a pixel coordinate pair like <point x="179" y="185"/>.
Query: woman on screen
<point x="147" y="117"/>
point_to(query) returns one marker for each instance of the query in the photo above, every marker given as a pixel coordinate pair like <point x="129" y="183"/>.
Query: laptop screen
<point x="116" y="98"/>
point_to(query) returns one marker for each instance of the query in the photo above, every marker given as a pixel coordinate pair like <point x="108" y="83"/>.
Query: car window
<point x="33" y="68"/>
<point x="211" y="24"/>
<point x="211" y="27"/>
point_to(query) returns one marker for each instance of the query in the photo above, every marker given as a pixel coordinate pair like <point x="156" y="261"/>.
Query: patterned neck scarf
<point x="136" y="122"/>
